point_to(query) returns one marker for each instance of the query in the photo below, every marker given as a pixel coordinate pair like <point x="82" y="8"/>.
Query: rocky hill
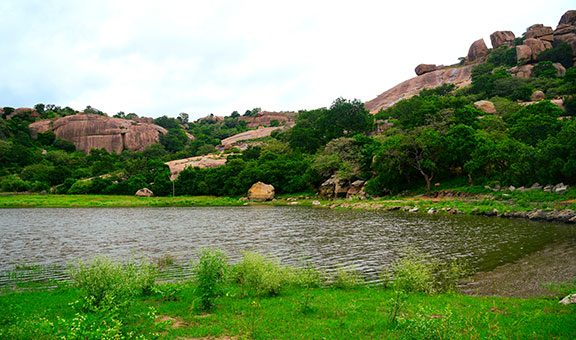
<point x="91" y="131"/>
<point x="537" y="39"/>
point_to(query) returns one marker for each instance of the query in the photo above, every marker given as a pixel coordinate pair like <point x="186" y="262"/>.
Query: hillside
<point x="504" y="117"/>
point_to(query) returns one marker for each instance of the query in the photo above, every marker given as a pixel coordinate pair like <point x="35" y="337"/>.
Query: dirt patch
<point x="174" y="322"/>
<point x="529" y="276"/>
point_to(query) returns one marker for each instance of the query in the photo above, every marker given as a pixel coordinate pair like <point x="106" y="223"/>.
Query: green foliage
<point x="544" y="69"/>
<point x="259" y="276"/>
<point x="560" y="53"/>
<point x="210" y="273"/>
<point x="503" y="56"/>
<point x="415" y="272"/>
<point x="105" y="283"/>
<point x="315" y="128"/>
<point x="13" y="183"/>
<point x="534" y="123"/>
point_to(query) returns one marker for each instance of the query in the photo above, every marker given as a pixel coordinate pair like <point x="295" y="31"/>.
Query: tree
<point x="183" y="118"/>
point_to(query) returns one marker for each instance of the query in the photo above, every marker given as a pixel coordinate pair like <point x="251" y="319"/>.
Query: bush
<point x="416" y="272"/>
<point x="259" y="276"/>
<point x="210" y="273"/>
<point x="105" y="283"/>
<point x="347" y="279"/>
<point x="13" y="183"/>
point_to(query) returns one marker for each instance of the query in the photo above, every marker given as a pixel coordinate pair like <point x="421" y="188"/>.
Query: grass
<point x="301" y="309"/>
<point x="109" y="201"/>
<point x="361" y="313"/>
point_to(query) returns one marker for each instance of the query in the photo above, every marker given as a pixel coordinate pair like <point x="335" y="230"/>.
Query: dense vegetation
<point x="436" y="136"/>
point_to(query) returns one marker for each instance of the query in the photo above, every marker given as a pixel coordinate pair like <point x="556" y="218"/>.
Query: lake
<point x="327" y="239"/>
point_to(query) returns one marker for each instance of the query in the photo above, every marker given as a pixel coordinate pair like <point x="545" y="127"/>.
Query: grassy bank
<point x="461" y="200"/>
<point x="258" y="298"/>
<point x="111" y="201"/>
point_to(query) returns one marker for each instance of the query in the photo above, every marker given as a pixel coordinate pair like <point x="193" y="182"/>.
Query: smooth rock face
<point x="145" y="192"/>
<point x="202" y="162"/>
<point x="425" y="68"/>
<point x="478" y="50"/>
<point x="261" y="132"/>
<point x="261" y="192"/>
<point x="500" y="38"/>
<point x="459" y="76"/>
<point x="90" y="131"/>
<point x="485" y="106"/>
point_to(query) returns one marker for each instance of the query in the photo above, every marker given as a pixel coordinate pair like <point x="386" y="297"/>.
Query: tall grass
<point x="210" y="273"/>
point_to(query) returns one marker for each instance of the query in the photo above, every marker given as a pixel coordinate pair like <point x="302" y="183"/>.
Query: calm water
<point x="368" y="241"/>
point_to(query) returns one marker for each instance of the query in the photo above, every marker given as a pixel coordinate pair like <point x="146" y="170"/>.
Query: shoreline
<point x="546" y="207"/>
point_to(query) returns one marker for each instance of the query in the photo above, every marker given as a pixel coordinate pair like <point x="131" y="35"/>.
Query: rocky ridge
<point x="537" y="38"/>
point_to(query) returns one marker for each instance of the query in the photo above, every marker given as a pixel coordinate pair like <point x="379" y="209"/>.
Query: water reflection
<point x="326" y="238"/>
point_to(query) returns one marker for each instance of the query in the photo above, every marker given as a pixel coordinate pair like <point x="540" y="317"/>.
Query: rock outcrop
<point x="91" y="131"/>
<point x="425" y="68"/>
<point x="261" y="192"/>
<point x="459" y="76"/>
<point x="338" y="188"/>
<point x="261" y="132"/>
<point x="478" y="51"/>
<point x="266" y="119"/>
<point x="206" y="161"/>
<point x="500" y="38"/>
<point x="540" y="32"/>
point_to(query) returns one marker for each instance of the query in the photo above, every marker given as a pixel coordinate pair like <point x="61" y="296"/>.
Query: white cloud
<point x="156" y="58"/>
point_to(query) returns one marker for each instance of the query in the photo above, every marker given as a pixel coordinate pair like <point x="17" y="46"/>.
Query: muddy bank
<point x="531" y="276"/>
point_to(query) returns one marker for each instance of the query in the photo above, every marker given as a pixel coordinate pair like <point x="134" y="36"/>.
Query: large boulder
<point x="202" y="162"/>
<point x="523" y="54"/>
<point x="500" y="38"/>
<point x="537" y="46"/>
<point x="91" y="131"/>
<point x="569" y="18"/>
<point x="523" y="71"/>
<point x="144" y="192"/>
<point x="537" y="96"/>
<point x="477" y="51"/>
<point x="261" y="192"/>
<point x="334" y="188"/>
<point x="485" y="106"/>
<point x="425" y="68"/>
<point x="539" y="31"/>
<point x="356" y="189"/>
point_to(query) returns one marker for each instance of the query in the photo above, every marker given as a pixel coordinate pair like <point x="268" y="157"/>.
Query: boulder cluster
<point x="558" y="188"/>
<point x="537" y="39"/>
<point x="338" y="188"/>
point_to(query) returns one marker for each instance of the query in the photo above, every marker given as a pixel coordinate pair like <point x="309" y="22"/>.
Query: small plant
<point x="165" y="261"/>
<point x="210" y="273"/>
<point x="347" y="279"/>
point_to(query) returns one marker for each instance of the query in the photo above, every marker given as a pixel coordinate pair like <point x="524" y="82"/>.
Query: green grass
<point x="479" y="200"/>
<point x="304" y="313"/>
<point x="104" y="201"/>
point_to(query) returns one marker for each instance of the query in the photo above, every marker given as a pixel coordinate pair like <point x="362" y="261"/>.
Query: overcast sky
<point x="165" y="57"/>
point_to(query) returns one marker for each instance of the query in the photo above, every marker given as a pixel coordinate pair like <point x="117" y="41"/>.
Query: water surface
<point x="327" y="239"/>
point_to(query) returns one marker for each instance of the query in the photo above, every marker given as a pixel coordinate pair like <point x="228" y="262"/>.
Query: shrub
<point x="260" y="276"/>
<point x="105" y="283"/>
<point x="416" y="272"/>
<point x="13" y="183"/>
<point x="210" y="273"/>
<point x="347" y="279"/>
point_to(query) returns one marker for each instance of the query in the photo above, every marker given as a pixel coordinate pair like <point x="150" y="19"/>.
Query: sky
<point x="158" y="58"/>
